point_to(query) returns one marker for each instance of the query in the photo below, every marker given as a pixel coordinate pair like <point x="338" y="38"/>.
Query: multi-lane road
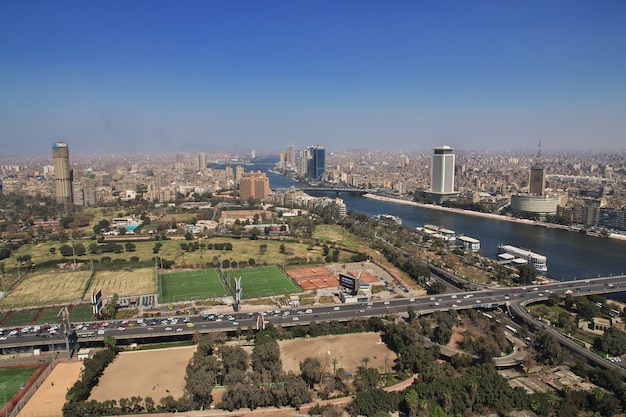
<point x="183" y="326"/>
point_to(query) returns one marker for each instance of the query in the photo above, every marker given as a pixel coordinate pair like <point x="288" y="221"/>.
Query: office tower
<point x="537" y="182"/>
<point x="316" y="161"/>
<point x="254" y="185"/>
<point x="62" y="173"/>
<point x="253" y="154"/>
<point x="291" y="156"/>
<point x="442" y="171"/>
<point x="202" y="160"/>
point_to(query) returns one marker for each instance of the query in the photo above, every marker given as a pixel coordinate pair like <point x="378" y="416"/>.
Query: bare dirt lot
<point x="349" y="350"/>
<point x="50" y="397"/>
<point x="150" y="373"/>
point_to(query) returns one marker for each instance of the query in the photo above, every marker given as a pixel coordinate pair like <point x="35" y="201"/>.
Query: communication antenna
<point x="539" y="151"/>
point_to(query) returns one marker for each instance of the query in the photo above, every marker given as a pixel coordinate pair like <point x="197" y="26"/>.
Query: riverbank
<point x="478" y="214"/>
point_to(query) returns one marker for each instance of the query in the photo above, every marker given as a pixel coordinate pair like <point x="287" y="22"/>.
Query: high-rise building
<point x="442" y="171"/>
<point x="316" y="163"/>
<point x="291" y="156"/>
<point x="62" y="173"/>
<point x="202" y="160"/>
<point x="254" y="185"/>
<point x="537" y="182"/>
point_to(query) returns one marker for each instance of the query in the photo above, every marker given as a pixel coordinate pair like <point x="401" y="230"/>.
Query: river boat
<point x="389" y="218"/>
<point x="515" y="255"/>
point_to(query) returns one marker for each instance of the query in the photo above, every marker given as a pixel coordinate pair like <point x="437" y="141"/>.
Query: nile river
<point x="570" y="255"/>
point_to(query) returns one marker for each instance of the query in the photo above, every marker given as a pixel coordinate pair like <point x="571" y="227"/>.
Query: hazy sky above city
<point x="187" y="76"/>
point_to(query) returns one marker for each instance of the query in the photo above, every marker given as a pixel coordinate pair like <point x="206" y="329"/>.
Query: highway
<point x="165" y="328"/>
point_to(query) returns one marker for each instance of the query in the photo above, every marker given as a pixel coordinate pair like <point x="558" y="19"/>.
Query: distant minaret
<point x="537" y="181"/>
<point x="62" y="173"/>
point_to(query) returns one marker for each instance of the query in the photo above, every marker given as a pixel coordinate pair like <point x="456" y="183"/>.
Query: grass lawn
<point x="328" y="233"/>
<point x="188" y="285"/>
<point x="263" y="282"/>
<point x="125" y="282"/>
<point x="14" y="378"/>
<point x="244" y="249"/>
<point x="82" y="313"/>
<point x="47" y="288"/>
<point x="49" y="315"/>
<point x="21" y="318"/>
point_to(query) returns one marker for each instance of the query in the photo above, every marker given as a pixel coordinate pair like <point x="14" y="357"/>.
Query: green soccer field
<point x="21" y="318"/>
<point x="189" y="285"/>
<point x="49" y="315"/>
<point x="14" y="378"/>
<point x="82" y="312"/>
<point x="263" y="282"/>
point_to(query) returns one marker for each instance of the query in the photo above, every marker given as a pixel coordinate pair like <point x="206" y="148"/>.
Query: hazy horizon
<point x="195" y="76"/>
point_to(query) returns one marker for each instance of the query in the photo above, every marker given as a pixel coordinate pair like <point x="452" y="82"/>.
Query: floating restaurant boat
<point x="517" y="256"/>
<point x="389" y="218"/>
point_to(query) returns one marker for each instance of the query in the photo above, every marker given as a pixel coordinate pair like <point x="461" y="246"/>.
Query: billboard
<point x="349" y="282"/>
<point x="95" y="297"/>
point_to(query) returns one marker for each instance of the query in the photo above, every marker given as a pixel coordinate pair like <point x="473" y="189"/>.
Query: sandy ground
<point x="149" y="373"/>
<point x="349" y="350"/>
<point x="49" y="399"/>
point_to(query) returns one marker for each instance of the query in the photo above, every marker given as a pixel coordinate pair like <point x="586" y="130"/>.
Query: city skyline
<point x="164" y="77"/>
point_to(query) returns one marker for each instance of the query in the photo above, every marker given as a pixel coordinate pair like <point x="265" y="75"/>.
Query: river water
<point x="570" y="255"/>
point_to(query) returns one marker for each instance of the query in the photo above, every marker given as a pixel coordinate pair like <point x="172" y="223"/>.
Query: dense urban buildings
<point x="586" y="189"/>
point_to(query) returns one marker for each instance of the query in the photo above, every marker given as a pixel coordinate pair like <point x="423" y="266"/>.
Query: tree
<point x="234" y="357"/>
<point x="612" y="342"/>
<point x="548" y="349"/>
<point x="311" y="371"/>
<point x="79" y="249"/>
<point x="254" y="234"/>
<point x="66" y="250"/>
<point x="129" y="247"/>
<point x="110" y="342"/>
<point x="94" y="248"/>
<point x="527" y="274"/>
<point x="281" y="248"/>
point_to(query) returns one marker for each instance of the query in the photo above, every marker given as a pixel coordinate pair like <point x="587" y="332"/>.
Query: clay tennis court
<point x="149" y="373"/>
<point x="48" y="400"/>
<point x="319" y="277"/>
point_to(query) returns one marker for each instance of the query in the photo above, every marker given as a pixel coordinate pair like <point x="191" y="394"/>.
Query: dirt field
<point x="136" y="282"/>
<point x="54" y="288"/>
<point x="349" y="349"/>
<point x="49" y="399"/>
<point x="149" y="373"/>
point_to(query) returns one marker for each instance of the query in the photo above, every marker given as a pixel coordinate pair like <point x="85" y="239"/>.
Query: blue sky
<point x="179" y="76"/>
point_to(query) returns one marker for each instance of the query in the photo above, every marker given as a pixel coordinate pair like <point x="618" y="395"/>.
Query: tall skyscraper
<point x="317" y="161"/>
<point x="202" y="160"/>
<point x="442" y="171"/>
<point x="291" y="156"/>
<point x="537" y="182"/>
<point x="62" y="173"/>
